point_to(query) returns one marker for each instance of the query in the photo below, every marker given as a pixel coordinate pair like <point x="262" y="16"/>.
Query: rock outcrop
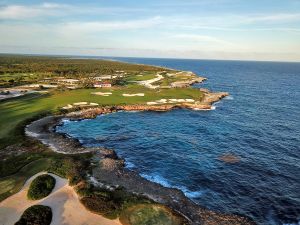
<point x="187" y="83"/>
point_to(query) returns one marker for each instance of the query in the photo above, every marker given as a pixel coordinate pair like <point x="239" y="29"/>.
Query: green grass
<point x="12" y="184"/>
<point x="41" y="187"/>
<point x="145" y="76"/>
<point x="13" y="164"/>
<point x="146" y="214"/>
<point x="36" y="215"/>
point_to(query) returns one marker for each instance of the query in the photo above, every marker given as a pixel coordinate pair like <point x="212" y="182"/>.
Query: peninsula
<point x="38" y="92"/>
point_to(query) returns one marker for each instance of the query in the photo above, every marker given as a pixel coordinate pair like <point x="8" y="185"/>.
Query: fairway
<point x="12" y="184"/>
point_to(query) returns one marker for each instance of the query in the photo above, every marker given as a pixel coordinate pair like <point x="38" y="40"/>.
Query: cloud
<point x="15" y="12"/>
<point x="237" y="22"/>
<point x="271" y="18"/>
<point x="21" y="12"/>
<point x="96" y="26"/>
<point x="202" y="39"/>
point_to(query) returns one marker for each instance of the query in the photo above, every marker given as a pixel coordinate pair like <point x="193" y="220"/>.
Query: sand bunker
<point x="133" y="95"/>
<point x="171" y="101"/>
<point x="63" y="200"/>
<point x="106" y="94"/>
<point x="81" y="104"/>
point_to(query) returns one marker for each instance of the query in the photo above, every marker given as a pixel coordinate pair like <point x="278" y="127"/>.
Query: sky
<point x="200" y="29"/>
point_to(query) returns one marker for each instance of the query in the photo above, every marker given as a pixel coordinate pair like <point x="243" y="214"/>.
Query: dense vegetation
<point x="36" y="215"/>
<point x="18" y="69"/>
<point x="41" y="187"/>
<point x="108" y="203"/>
<point x="65" y="66"/>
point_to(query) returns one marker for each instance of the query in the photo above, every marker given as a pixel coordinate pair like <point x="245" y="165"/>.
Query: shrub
<point x="71" y="168"/>
<point x="36" y="215"/>
<point x="41" y="187"/>
<point x="99" y="205"/>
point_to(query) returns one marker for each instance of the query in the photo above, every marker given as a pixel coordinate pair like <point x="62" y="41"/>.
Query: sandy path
<point x="64" y="202"/>
<point x="148" y="83"/>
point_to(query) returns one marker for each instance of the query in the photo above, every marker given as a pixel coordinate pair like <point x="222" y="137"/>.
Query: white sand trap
<point x="189" y="100"/>
<point x="133" y="95"/>
<point x="152" y="103"/>
<point x="68" y="107"/>
<point x="102" y="93"/>
<point x="162" y="101"/>
<point x="93" y="104"/>
<point x="63" y="200"/>
<point x="80" y="103"/>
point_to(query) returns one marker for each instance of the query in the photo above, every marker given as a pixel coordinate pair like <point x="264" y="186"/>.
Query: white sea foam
<point x="157" y="179"/>
<point x="65" y="121"/>
<point x="229" y="97"/>
<point x="129" y="165"/>
<point x="164" y="182"/>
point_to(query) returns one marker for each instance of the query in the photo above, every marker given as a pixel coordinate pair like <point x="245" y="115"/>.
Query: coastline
<point x="111" y="171"/>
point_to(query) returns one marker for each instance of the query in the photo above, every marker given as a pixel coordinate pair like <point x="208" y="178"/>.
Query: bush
<point x="36" y="215"/>
<point x="99" y="205"/>
<point x="41" y="187"/>
<point x="72" y="168"/>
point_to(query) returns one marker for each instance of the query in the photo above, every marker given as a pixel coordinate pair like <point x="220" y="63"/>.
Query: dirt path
<point x="64" y="202"/>
<point x="148" y="83"/>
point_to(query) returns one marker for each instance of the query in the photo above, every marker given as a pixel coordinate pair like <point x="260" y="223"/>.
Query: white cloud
<point x="97" y="26"/>
<point x="200" y="38"/>
<point x="24" y="12"/>
<point x="21" y="12"/>
<point x="271" y="18"/>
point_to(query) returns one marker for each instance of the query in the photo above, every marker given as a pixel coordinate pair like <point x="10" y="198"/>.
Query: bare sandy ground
<point x="133" y="95"/>
<point x="148" y="83"/>
<point x="64" y="202"/>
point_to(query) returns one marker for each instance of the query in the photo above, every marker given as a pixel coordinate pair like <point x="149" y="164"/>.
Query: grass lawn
<point x="141" y="77"/>
<point x="12" y="184"/>
<point x="144" y="214"/>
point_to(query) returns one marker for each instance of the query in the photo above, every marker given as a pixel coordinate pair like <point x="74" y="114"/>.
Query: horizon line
<point x="145" y="57"/>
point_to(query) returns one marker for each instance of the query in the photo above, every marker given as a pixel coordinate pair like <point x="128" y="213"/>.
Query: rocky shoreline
<point x="111" y="171"/>
<point x="205" y="104"/>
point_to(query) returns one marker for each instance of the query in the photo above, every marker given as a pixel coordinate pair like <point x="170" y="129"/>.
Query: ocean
<point x="257" y="126"/>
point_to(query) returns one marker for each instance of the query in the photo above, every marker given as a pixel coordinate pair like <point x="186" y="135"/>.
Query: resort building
<point x="68" y="81"/>
<point x="102" y="85"/>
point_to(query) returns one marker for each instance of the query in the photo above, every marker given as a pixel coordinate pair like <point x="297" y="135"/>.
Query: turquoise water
<point x="259" y="123"/>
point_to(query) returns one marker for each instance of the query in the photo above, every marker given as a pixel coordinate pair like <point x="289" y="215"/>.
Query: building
<point x="106" y="85"/>
<point x="68" y="81"/>
<point x="97" y="85"/>
<point x="102" y="85"/>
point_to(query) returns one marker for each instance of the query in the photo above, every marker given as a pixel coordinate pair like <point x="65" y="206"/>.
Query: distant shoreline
<point x="112" y="58"/>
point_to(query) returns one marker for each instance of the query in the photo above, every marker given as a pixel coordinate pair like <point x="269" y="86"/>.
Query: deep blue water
<point x="259" y="123"/>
